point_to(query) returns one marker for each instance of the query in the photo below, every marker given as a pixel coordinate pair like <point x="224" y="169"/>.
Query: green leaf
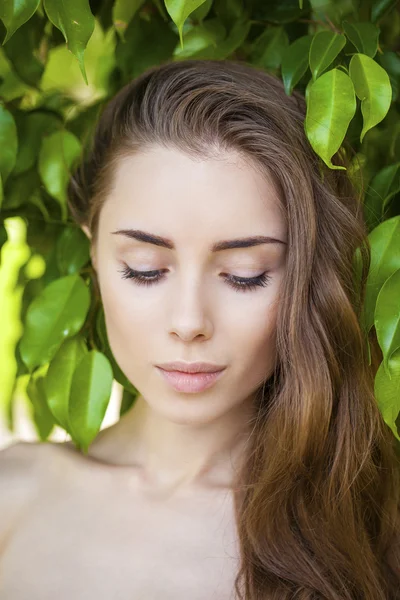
<point x="57" y="313"/>
<point x="385" y="259"/>
<point x="57" y="155"/>
<point x="226" y="47"/>
<point x="229" y="11"/>
<point x="390" y="61"/>
<point x="123" y="13"/>
<point x="387" y="392"/>
<point x="364" y="36"/>
<point x="324" y="48"/>
<point x="62" y="73"/>
<point x="23" y="50"/>
<point x="31" y="128"/>
<point x="158" y="39"/>
<point x="43" y="419"/>
<point x="331" y="105"/>
<point x="58" y="379"/>
<point x="380" y="8"/>
<point x="372" y="86"/>
<point x="382" y="187"/>
<point x="235" y="39"/>
<point x="72" y="250"/>
<point x="106" y="349"/>
<point x="1" y="193"/>
<point x="179" y="10"/>
<point x="279" y="11"/>
<point x="200" y="13"/>
<point x="8" y="143"/>
<point x="15" y="13"/>
<point x="76" y="22"/>
<point x="269" y="47"/>
<point x="11" y="86"/>
<point x="387" y="318"/>
<point x="295" y="62"/>
<point x="20" y="188"/>
<point x="357" y="172"/>
<point x="209" y="33"/>
<point x="90" y="394"/>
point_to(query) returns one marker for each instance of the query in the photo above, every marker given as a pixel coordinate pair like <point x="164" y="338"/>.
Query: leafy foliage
<point x="61" y="61"/>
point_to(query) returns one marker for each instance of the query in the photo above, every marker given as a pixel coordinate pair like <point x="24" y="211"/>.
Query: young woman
<point x="254" y="463"/>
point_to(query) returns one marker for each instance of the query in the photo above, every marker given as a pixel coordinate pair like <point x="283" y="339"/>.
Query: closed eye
<point x="237" y="283"/>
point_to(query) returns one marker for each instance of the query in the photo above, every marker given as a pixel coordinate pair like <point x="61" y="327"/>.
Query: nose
<point x="191" y="316"/>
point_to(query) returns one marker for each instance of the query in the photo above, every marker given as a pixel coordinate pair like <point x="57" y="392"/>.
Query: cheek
<point x="120" y="299"/>
<point x="259" y="340"/>
<point x="255" y="321"/>
<point x="255" y="340"/>
<point x="127" y="329"/>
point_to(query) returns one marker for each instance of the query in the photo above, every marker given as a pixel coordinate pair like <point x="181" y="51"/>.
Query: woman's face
<point x="191" y="313"/>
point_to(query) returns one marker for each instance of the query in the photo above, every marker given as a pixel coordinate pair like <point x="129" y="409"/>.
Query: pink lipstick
<point x="190" y="382"/>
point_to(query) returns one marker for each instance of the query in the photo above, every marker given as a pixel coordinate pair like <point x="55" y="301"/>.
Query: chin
<point x="189" y="411"/>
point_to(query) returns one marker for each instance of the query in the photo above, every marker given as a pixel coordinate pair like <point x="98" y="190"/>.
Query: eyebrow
<point x="150" y="238"/>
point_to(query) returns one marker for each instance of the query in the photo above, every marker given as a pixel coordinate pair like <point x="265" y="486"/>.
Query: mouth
<point x="190" y="382"/>
<point x="194" y="367"/>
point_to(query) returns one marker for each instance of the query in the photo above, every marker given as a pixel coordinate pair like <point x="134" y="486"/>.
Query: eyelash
<point x="240" y="284"/>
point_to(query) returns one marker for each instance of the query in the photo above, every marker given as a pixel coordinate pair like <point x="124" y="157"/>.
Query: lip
<point x="190" y="383"/>
<point x="197" y="367"/>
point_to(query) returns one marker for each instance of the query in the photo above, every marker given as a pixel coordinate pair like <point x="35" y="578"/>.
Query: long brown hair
<point x="317" y="498"/>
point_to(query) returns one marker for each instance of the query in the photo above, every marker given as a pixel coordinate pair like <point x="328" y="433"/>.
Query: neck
<point x="177" y="456"/>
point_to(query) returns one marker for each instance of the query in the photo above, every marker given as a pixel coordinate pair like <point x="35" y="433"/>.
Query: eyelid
<point x="244" y="260"/>
<point x="238" y="283"/>
<point x="225" y="273"/>
<point x="254" y="270"/>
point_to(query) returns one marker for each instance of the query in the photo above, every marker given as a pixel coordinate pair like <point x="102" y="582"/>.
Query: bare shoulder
<point x="19" y="468"/>
<point x="18" y="462"/>
<point x="24" y="465"/>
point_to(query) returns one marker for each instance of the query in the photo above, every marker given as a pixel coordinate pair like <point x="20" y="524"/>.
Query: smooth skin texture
<point x="149" y="512"/>
<point x="192" y="313"/>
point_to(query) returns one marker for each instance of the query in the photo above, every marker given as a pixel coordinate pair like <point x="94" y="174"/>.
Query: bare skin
<point x="149" y="513"/>
<point x="94" y="531"/>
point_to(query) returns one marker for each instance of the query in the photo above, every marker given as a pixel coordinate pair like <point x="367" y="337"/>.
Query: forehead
<point x="166" y="190"/>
